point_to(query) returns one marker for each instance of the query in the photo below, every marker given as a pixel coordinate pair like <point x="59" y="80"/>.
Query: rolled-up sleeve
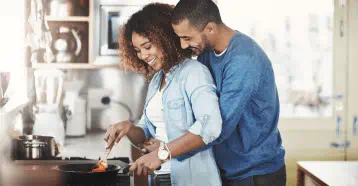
<point x="200" y="89"/>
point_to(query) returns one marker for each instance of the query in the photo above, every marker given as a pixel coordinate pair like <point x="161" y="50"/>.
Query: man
<point x="249" y="150"/>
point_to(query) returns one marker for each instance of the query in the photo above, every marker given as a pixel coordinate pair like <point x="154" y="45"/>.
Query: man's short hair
<point x="198" y="12"/>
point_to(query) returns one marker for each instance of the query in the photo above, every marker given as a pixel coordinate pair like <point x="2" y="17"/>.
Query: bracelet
<point x="170" y="154"/>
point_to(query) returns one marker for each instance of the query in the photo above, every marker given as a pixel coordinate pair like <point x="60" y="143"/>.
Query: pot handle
<point x="28" y="144"/>
<point x="57" y="149"/>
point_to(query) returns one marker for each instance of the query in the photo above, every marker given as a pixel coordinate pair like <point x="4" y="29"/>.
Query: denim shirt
<point x="190" y="104"/>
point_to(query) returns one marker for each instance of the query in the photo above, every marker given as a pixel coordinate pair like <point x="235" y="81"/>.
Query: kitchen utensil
<point x="68" y="45"/>
<point x="82" y="174"/>
<point x="107" y="151"/>
<point x="31" y="147"/>
<point x="102" y="165"/>
<point x="49" y="86"/>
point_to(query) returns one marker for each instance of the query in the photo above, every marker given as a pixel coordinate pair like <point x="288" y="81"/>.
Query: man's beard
<point x="207" y="46"/>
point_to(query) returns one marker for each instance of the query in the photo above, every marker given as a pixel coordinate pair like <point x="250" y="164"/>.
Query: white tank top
<point x="155" y="114"/>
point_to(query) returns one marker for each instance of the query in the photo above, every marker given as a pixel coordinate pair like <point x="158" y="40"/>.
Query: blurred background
<point x="58" y="65"/>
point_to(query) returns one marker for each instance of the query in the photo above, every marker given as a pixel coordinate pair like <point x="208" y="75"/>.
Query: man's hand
<point x="150" y="146"/>
<point x="146" y="164"/>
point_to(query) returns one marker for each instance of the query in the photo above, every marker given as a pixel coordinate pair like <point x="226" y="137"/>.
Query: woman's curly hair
<point x="154" y="23"/>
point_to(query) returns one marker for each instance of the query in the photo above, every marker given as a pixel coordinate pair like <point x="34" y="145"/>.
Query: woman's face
<point x="147" y="51"/>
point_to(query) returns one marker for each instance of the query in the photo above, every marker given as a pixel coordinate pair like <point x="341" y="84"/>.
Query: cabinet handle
<point x="343" y="145"/>
<point x="338" y="125"/>
<point x="355" y="121"/>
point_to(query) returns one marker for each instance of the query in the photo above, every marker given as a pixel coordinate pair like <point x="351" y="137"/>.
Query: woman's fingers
<point x="119" y="137"/>
<point x="116" y="132"/>
<point x="106" y="136"/>
<point x="145" y="171"/>
<point x="112" y="137"/>
<point x="133" y="167"/>
<point x="140" y="168"/>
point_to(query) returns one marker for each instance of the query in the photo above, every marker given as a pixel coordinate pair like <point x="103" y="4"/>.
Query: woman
<point x="181" y="102"/>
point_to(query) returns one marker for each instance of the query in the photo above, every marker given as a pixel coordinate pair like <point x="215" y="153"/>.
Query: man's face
<point x="191" y="37"/>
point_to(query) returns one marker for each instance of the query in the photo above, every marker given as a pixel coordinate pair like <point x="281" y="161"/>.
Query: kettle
<point x="68" y="45"/>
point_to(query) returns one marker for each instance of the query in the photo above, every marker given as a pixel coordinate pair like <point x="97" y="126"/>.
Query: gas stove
<point x="33" y="169"/>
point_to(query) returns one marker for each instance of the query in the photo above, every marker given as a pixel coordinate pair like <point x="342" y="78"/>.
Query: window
<point x="297" y="36"/>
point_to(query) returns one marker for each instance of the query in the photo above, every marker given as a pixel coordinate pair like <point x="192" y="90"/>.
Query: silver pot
<point x="31" y="147"/>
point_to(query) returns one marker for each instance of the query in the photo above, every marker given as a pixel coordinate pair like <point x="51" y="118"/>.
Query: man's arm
<point x="240" y="82"/>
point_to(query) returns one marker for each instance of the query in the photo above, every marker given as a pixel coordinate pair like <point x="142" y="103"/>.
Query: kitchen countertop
<point x="92" y="146"/>
<point x="333" y="173"/>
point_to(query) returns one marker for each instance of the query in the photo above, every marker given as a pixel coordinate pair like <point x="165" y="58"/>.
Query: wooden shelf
<point x="72" y="66"/>
<point x="69" y="19"/>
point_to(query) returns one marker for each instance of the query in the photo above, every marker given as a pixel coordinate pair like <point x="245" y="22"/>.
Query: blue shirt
<point x="250" y="143"/>
<point x="190" y="104"/>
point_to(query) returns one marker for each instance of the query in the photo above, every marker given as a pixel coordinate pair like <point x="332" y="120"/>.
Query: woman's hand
<point x="146" y="164"/>
<point x="116" y="132"/>
<point x="150" y="146"/>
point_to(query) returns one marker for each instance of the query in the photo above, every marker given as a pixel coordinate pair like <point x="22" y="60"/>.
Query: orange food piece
<point x="101" y="166"/>
<point x="99" y="169"/>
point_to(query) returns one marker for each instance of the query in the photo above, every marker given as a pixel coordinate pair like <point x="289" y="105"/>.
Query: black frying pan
<point x="82" y="174"/>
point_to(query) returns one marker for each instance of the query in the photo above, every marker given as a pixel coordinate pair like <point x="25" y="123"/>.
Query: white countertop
<point x="333" y="173"/>
<point x="92" y="146"/>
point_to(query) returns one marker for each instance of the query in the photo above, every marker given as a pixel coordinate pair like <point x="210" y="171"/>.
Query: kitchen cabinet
<point x="324" y="173"/>
<point x="71" y="27"/>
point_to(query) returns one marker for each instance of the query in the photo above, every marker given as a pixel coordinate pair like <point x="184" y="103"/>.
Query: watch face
<point x="163" y="154"/>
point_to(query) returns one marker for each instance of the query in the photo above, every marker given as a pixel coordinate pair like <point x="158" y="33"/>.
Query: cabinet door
<point x="352" y="124"/>
<point x="307" y="44"/>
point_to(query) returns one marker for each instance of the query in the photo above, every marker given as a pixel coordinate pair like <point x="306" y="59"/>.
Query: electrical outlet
<point x="95" y="96"/>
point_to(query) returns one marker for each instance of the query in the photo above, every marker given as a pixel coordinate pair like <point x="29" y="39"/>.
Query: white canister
<point x="76" y="122"/>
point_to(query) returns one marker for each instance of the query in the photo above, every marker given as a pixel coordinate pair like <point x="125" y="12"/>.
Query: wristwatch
<point x="163" y="153"/>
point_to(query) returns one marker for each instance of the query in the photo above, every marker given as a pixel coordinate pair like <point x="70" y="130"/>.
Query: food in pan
<point x="101" y="166"/>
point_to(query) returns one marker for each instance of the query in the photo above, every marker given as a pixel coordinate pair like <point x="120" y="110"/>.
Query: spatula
<point x="103" y="159"/>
